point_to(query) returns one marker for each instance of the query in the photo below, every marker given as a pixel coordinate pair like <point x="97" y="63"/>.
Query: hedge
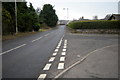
<point x="95" y="24"/>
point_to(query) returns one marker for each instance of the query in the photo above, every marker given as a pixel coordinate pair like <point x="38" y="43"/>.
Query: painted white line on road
<point x="59" y="43"/>
<point x="61" y="66"/>
<point x="65" y="41"/>
<point x="64" y="46"/>
<point x="36" y="39"/>
<point x="47" y="67"/>
<point x="47" y="34"/>
<point x="63" y="53"/>
<point x="64" y="49"/>
<point x="58" y="47"/>
<point x="56" y="50"/>
<point x="62" y="58"/>
<point x="51" y="59"/>
<point x="12" y="49"/>
<point x="42" y="77"/>
<point x="61" y="40"/>
<point x="54" y="54"/>
<point x="79" y="61"/>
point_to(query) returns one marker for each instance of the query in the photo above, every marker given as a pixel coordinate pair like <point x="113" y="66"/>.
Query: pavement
<point x="60" y="54"/>
<point x="93" y="56"/>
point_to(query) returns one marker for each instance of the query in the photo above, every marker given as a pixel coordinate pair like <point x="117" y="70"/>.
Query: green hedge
<point x="95" y="24"/>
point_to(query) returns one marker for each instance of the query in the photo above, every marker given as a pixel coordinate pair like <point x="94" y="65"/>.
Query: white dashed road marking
<point x="63" y="53"/>
<point x="61" y="66"/>
<point x="57" y="47"/>
<point x="65" y="44"/>
<point x="65" y="41"/>
<point x="64" y="49"/>
<point x="42" y="77"/>
<point x="46" y="34"/>
<point x="62" y="58"/>
<point x="51" y="59"/>
<point x="36" y="39"/>
<point x="47" y="67"/>
<point x="54" y="54"/>
<point x="56" y="50"/>
<point x="12" y="49"/>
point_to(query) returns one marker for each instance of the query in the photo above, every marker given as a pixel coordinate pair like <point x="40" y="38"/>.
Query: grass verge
<point x="20" y="34"/>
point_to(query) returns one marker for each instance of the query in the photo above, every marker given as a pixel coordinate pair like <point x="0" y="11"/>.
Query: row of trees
<point x="27" y="17"/>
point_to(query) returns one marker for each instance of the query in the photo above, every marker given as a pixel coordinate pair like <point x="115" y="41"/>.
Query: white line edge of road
<point x="12" y="49"/>
<point x="79" y="61"/>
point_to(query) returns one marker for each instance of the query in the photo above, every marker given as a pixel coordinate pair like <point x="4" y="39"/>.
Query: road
<point x="25" y="57"/>
<point x="50" y="54"/>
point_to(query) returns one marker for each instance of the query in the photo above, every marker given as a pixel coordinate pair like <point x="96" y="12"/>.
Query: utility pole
<point x="16" y="17"/>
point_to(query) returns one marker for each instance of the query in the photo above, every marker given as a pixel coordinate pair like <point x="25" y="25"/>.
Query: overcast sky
<point x="79" y="8"/>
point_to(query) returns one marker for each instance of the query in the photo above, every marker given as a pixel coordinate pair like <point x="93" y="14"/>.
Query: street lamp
<point x="67" y="12"/>
<point x="16" y="17"/>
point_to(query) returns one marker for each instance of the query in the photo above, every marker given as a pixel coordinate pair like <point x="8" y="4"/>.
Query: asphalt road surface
<point x="55" y="53"/>
<point x="26" y="56"/>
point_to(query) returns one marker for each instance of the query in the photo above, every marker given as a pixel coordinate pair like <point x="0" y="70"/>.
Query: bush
<point x="95" y="24"/>
<point x="36" y="27"/>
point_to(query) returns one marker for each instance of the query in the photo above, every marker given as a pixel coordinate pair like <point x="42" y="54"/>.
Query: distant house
<point x="112" y="17"/>
<point x="82" y="19"/>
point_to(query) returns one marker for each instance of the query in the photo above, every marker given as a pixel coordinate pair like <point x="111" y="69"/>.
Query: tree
<point x="8" y="18"/>
<point x="27" y="17"/>
<point x="48" y="15"/>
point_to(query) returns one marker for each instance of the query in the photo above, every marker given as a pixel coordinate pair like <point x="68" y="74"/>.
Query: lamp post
<point x="16" y="17"/>
<point x="67" y="12"/>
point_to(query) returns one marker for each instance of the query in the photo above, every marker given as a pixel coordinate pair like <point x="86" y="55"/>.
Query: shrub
<point x="95" y="24"/>
<point x="36" y="27"/>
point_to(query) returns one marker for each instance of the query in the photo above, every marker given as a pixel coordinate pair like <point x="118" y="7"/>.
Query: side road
<point x="92" y="56"/>
<point x="101" y="63"/>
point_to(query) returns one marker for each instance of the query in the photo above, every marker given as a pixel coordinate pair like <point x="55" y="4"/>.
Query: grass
<point x="20" y="34"/>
